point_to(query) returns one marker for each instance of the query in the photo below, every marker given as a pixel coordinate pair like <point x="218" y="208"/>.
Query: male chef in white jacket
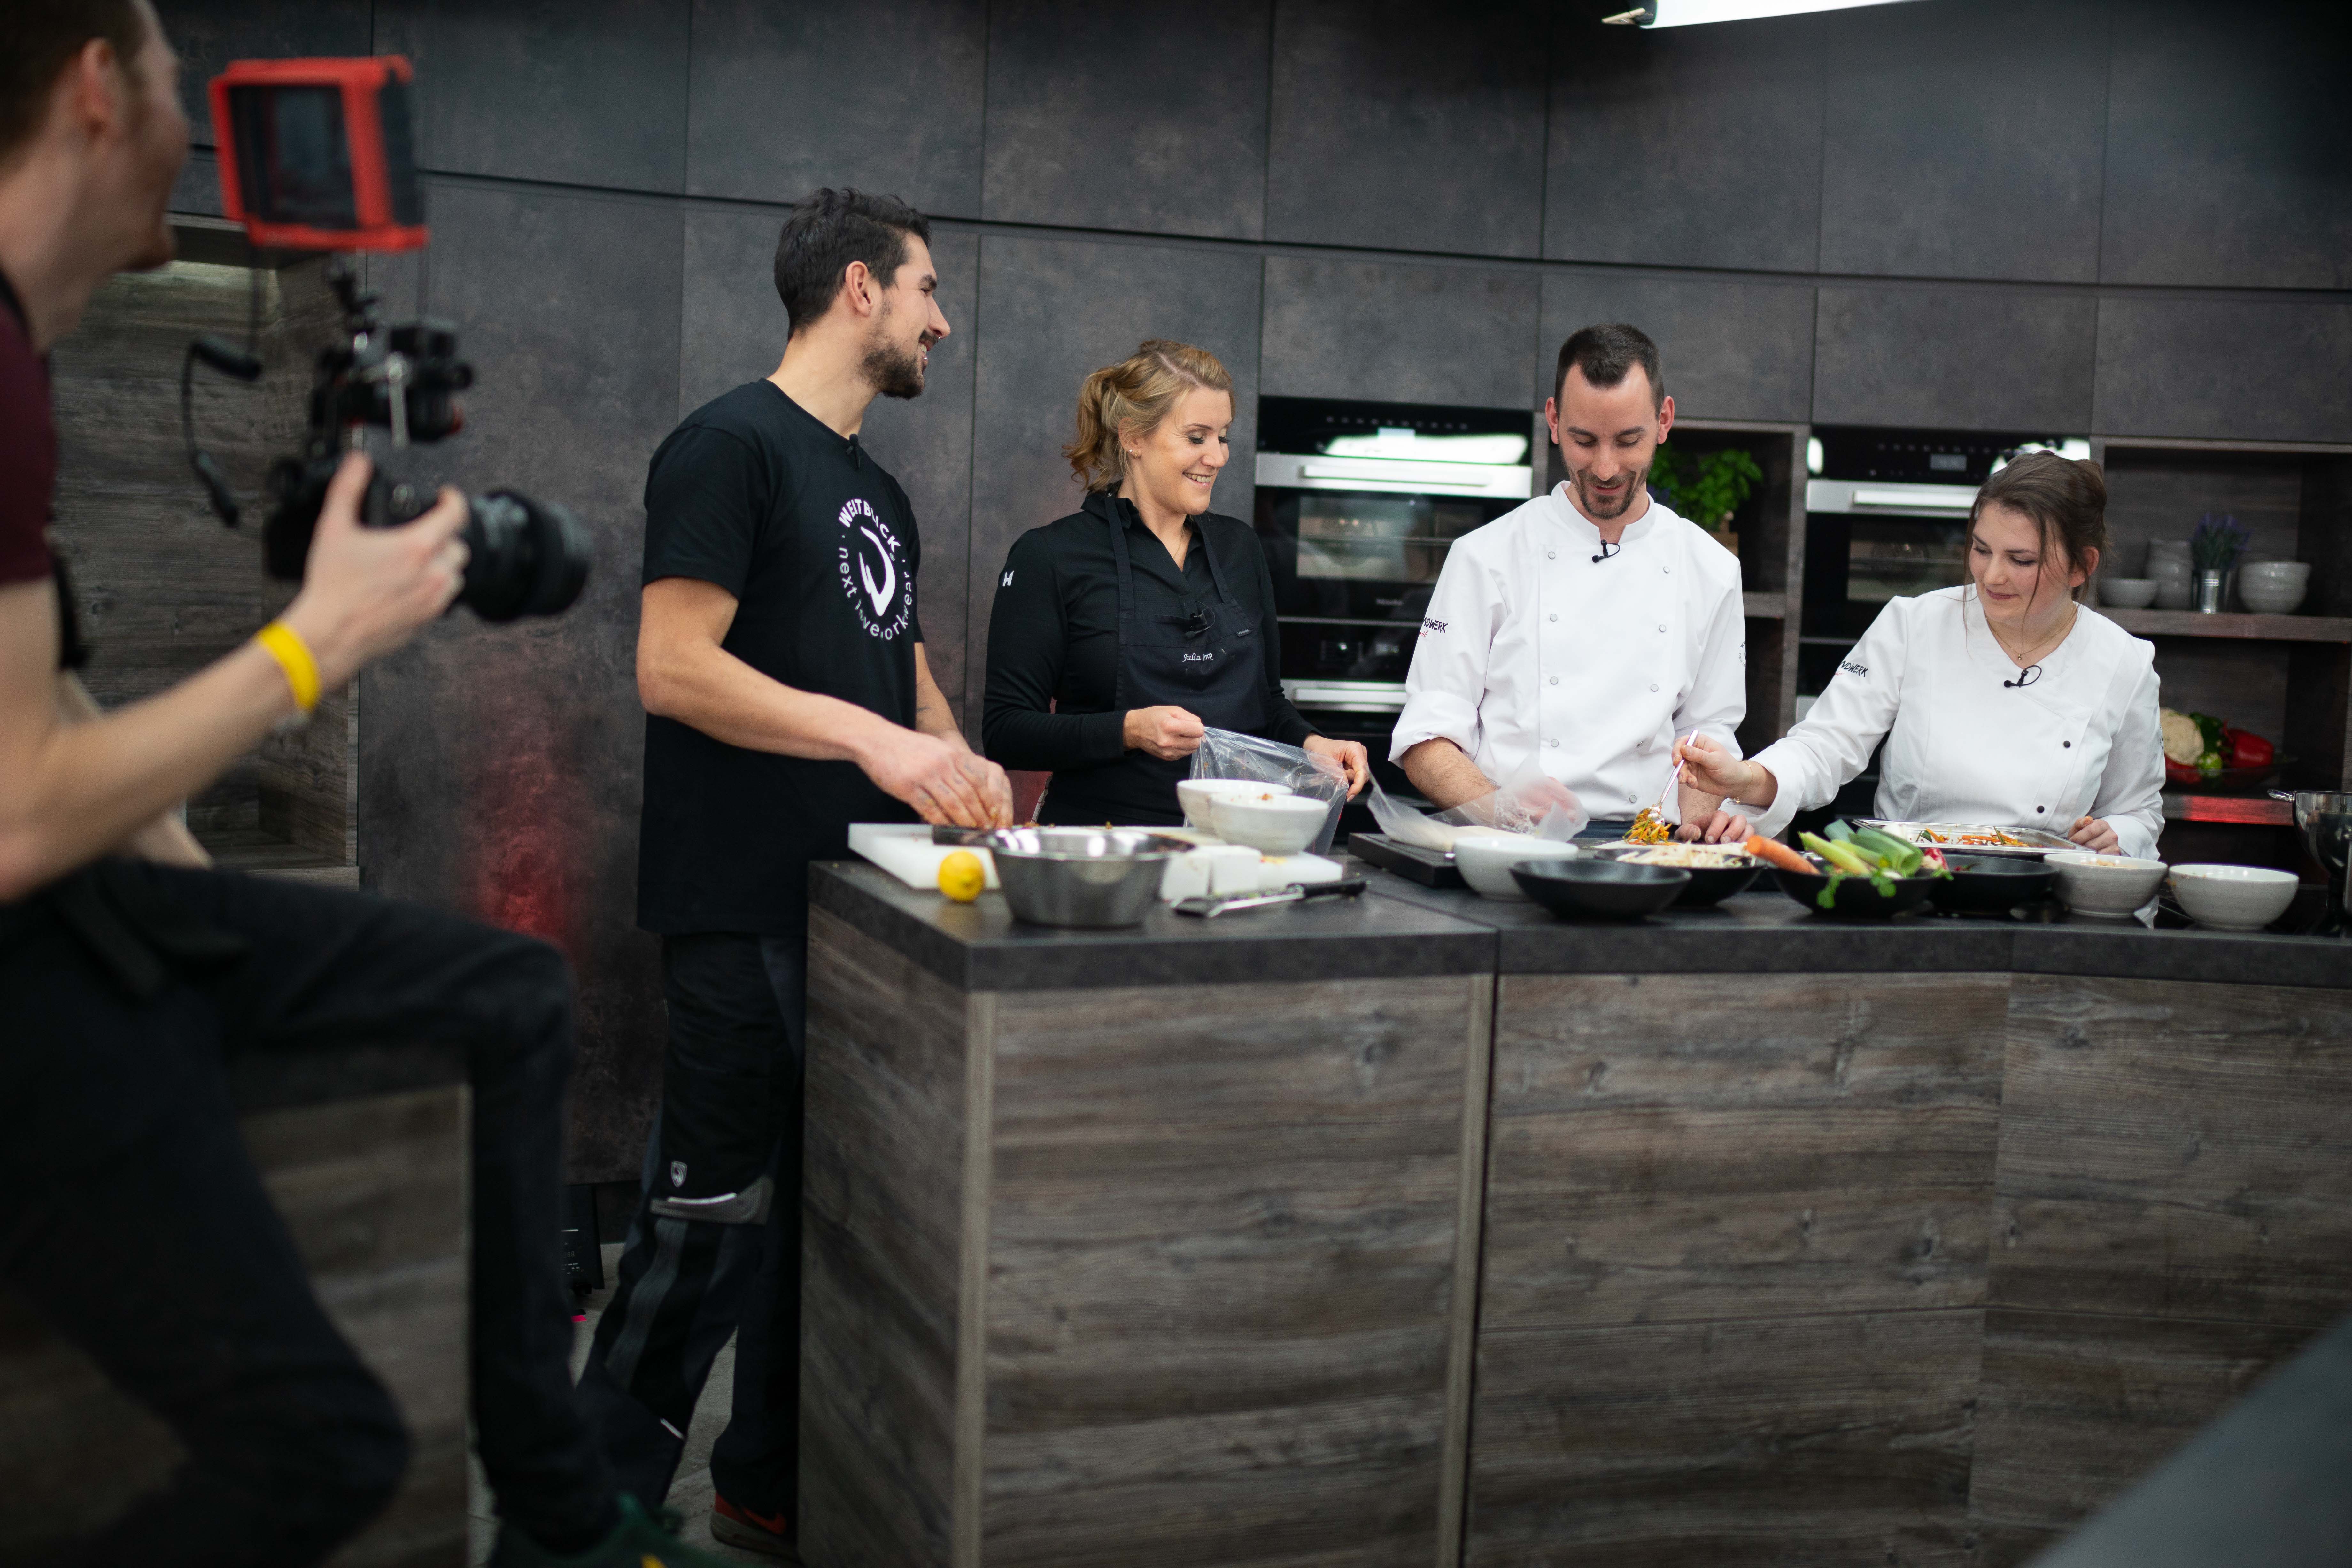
<point x="1586" y="631"/>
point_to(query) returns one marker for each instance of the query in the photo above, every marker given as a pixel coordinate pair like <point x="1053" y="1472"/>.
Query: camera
<point x="526" y="557"/>
<point x="317" y="155"/>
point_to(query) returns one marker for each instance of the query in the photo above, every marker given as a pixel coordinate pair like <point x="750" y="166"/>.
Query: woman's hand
<point x="1708" y="765"/>
<point x="1714" y="827"/>
<point x="1353" y="760"/>
<point x="1167" y="733"/>
<point x="2094" y="834"/>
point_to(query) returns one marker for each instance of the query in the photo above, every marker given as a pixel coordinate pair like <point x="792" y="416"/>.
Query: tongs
<point x="1210" y="907"/>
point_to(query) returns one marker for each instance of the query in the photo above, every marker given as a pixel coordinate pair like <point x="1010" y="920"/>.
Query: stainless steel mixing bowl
<point x="1081" y="876"/>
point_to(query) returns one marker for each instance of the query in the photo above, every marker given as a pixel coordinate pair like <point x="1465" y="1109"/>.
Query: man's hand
<point x="945" y="783"/>
<point x="365" y="591"/>
<point x="1167" y="733"/>
<point x="2094" y="834"/>
<point x="1351" y="758"/>
<point x="1714" y="828"/>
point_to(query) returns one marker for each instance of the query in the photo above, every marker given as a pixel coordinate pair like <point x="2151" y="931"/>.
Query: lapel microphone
<point x="2026" y="677"/>
<point x="1607" y="550"/>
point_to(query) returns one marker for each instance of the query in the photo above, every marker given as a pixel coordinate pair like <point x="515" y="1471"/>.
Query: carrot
<point x="1778" y="853"/>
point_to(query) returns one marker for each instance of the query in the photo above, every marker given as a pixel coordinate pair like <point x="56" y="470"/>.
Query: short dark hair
<point x="830" y="229"/>
<point x="39" y="38"/>
<point x="1605" y="354"/>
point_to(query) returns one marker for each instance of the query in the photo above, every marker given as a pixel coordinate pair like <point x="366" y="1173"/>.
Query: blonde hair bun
<point x="1134" y="395"/>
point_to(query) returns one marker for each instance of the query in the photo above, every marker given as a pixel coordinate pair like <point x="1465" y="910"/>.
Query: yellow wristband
<point x="285" y="645"/>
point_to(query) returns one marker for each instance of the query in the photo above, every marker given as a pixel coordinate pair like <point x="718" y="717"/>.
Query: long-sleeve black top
<point x="1053" y="657"/>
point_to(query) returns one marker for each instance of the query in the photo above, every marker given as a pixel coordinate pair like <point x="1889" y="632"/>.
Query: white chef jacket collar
<point x="1986" y="649"/>
<point x="1581" y="533"/>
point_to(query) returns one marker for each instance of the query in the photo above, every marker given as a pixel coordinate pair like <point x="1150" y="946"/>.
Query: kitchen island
<point x="1791" y="1241"/>
<point x="1915" y="1242"/>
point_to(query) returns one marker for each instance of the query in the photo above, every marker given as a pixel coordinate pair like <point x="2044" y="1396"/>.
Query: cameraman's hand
<point x="365" y="591"/>
<point x="944" y="782"/>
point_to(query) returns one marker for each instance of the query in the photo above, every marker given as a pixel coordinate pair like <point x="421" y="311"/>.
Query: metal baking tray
<point x="2037" y="841"/>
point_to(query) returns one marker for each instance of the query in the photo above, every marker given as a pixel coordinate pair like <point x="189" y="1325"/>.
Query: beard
<point x="892" y="371"/>
<point x="1599" y="508"/>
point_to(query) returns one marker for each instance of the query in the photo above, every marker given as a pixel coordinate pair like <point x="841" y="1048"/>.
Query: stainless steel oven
<point x="1357" y="504"/>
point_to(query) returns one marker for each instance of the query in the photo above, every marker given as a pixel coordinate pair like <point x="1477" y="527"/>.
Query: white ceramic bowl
<point x="2127" y="592"/>
<point x="2233" y="897"/>
<point x="1271" y="824"/>
<point x="1191" y="793"/>
<point x="2274" y="587"/>
<point x="2105" y="886"/>
<point x="1485" y="859"/>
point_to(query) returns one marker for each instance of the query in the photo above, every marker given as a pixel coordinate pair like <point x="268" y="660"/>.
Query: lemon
<point x="961" y="875"/>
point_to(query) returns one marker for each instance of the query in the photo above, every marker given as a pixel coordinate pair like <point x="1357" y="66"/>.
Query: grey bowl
<point x="1081" y="876"/>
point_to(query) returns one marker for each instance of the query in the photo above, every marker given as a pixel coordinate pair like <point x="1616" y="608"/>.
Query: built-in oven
<point x="1357" y="504"/>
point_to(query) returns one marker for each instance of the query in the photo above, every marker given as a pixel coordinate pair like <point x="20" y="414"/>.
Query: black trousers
<point x="133" y="1221"/>
<point x="731" y="1112"/>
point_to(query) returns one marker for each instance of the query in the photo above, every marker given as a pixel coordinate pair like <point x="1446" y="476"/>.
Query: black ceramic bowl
<point x="1857" y="899"/>
<point x="1600" y="890"/>
<point x="1991" y="884"/>
<point x="1710" y="885"/>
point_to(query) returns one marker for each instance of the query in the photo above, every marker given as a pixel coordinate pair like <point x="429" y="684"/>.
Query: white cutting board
<point x="905" y="850"/>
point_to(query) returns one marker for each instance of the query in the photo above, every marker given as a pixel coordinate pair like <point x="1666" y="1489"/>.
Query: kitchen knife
<point x="1210" y="909"/>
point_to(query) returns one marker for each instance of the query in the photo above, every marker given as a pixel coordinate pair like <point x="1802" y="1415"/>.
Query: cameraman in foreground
<point x="130" y="1218"/>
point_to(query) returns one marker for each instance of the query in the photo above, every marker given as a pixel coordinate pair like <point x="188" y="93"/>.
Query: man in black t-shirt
<point x="781" y="662"/>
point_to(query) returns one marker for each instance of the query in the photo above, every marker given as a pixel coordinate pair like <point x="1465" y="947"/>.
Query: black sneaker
<point x="639" y="1540"/>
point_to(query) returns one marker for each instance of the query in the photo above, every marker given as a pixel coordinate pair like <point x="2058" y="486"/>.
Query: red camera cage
<point x="359" y="82"/>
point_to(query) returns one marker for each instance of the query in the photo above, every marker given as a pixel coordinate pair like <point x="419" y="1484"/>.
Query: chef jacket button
<point x="1555" y="615"/>
<point x="2068" y="744"/>
<point x="1555" y="680"/>
<point x="1654" y="685"/>
<point x="1553" y="741"/>
<point x="2037" y="810"/>
<point x="1667" y="570"/>
<point x="1662" y="626"/>
<point x="1551" y="555"/>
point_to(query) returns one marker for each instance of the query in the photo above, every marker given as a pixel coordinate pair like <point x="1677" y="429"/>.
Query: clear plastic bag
<point x="1226" y="754"/>
<point x="1531" y="802"/>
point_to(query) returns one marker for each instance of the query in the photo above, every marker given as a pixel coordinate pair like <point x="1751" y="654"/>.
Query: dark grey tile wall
<point x="885" y="96"/>
<point x="1959" y="359"/>
<point x="731" y="324"/>
<point x="1404" y="126"/>
<point x="2229" y="148"/>
<point x="587" y="93"/>
<point x="1086" y="130"/>
<point x="500" y="766"/>
<point x="208" y="34"/>
<point x="1690" y="146"/>
<point x="2235" y="370"/>
<point x="1392" y="332"/>
<point x="927" y="443"/>
<point x="1727" y="349"/>
<point x="1051" y="310"/>
<point x="1965" y="141"/>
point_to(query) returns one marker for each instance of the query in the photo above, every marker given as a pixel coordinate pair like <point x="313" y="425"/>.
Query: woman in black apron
<point x="1123" y="630"/>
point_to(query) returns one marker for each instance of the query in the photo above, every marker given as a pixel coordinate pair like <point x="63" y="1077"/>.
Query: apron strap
<point x="1124" y="567"/>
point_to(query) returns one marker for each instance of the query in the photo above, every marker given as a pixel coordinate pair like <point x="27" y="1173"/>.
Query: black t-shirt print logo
<point x="873" y="571"/>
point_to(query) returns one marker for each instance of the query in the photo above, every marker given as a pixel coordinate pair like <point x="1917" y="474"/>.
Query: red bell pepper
<point x="2247" y="750"/>
<point x="2181" y="773"/>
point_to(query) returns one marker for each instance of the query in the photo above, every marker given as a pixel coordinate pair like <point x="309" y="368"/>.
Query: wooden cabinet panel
<point x="1803" y="1144"/>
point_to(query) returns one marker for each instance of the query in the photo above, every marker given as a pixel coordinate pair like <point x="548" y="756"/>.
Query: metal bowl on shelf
<point x="1081" y="876"/>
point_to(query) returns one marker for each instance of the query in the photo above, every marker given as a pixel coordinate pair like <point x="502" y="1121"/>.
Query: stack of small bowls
<point x="2273" y="587"/>
<point x="2167" y="568"/>
<point x="2127" y="592"/>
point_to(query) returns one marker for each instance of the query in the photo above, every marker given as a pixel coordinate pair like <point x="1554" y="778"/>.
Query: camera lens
<point x="527" y="557"/>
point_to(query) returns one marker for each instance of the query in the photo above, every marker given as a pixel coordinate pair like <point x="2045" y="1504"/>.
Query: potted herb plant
<point x="1707" y="489"/>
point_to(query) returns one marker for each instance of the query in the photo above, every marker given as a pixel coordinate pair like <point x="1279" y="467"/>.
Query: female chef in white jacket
<point x="2003" y="701"/>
